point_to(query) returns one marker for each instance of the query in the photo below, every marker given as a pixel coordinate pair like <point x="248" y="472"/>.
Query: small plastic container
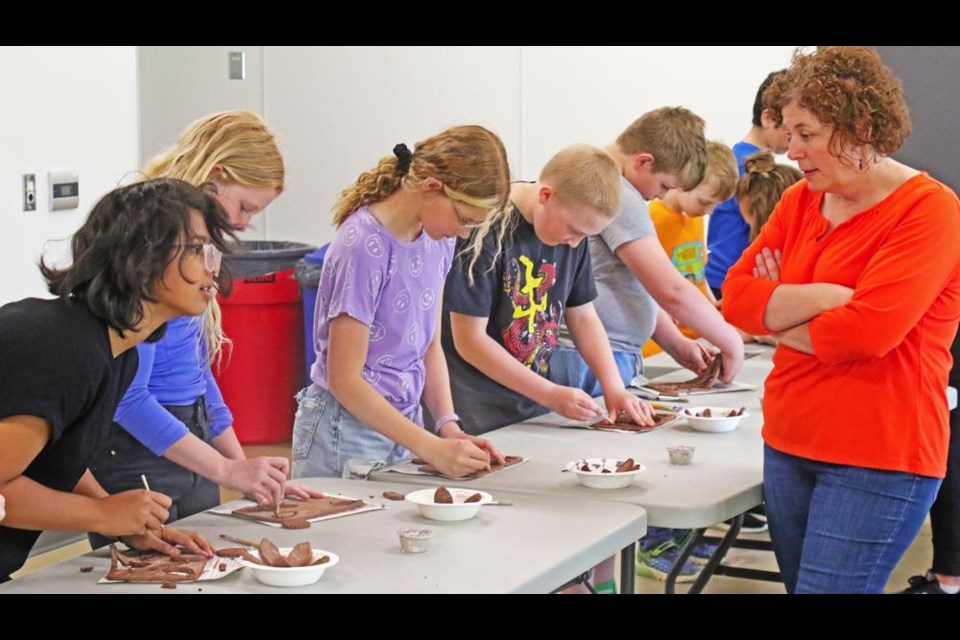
<point x="415" y="540"/>
<point x="681" y="454"/>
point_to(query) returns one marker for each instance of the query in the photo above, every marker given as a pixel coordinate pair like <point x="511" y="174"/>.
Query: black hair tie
<point x="404" y="158"/>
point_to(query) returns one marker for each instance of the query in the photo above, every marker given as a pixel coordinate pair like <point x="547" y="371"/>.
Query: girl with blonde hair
<point x="376" y="328"/>
<point x="172" y="424"/>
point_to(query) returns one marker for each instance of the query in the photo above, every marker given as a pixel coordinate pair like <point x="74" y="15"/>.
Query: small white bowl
<point x="714" y="424"/>
<point x="596" y="479"/>
<point x="291" y="576"/>
<point x="459" y="510"/>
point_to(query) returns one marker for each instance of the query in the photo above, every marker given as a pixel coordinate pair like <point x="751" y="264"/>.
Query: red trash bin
<point x="263" y="370"/>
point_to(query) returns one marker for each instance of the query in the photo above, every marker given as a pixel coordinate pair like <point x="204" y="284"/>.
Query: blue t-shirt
<point x="172" y="371"/>
<point x="728" y="234"/>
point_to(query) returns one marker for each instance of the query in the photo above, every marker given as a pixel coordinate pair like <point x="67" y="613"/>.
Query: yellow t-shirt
<point x="682" y="238"/>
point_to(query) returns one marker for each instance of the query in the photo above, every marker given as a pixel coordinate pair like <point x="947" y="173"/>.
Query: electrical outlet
<point x="29" y="192"/>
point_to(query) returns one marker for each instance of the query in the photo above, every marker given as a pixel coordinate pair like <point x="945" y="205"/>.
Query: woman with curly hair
<point x="857" y="274"/>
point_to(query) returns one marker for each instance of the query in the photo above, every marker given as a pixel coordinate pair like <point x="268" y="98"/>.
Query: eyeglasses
<point x="463" y="221"/>
<point x="212" y="256"/>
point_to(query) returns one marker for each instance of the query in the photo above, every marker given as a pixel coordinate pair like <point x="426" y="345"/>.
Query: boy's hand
<point x="694" y="355"/>
<point x="624" y="402"/>
<point x="132" y="513"/>
<point x="168" y="539"/>
<point x="573" y="403"/>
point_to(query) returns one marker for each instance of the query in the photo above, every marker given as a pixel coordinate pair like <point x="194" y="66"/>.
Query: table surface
<point x="534" y="546"/>
<point x="723" y="481"/>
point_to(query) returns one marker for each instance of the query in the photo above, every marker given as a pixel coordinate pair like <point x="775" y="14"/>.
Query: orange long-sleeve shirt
<point x="874" y="394"/>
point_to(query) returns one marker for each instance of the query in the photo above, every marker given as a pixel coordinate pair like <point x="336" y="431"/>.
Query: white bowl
<point x="459" y="510"/>
<point x="596" y="479"/>
<point x="291" y="576"/>
<point x="713" y="424"/>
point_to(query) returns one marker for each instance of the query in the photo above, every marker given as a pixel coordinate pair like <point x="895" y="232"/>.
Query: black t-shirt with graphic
<point x="524" y="297"/>
<point x="56" y="363"/>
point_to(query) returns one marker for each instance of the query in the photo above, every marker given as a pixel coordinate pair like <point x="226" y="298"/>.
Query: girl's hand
<point x="300" y="491"/>
<point x="260" y="479"/>
<point x="132" y="513"/>
<point x="456" y="457"/>
<point x="453" y="431"/>
<point x="167" y="539"/>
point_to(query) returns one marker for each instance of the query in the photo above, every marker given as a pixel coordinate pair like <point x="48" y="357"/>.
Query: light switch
<point x="64" y="189"/>
<point x="238" y="68"/>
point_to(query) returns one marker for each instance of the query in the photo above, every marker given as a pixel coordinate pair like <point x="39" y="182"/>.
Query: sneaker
<point x="752" y="523"/>
<point x="659" y="561"/>
<point x="700" y="554"/>
<point x="926" y="584"/>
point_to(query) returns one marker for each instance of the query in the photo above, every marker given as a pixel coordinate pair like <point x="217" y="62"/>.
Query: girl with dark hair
<point x="147" y="253"/>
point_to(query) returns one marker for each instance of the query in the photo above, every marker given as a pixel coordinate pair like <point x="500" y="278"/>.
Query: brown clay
<point x="270" y="554"/>
<point x="299" y="510"/>
<point x="474" y="498"/>
<point x="442" y="496"/>
<point x="301" y="555"/>
<point x="86" y="569"/>
<point x="392" y="495"/>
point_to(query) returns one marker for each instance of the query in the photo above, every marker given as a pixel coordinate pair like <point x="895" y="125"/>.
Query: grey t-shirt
<point x="628" y="312"/>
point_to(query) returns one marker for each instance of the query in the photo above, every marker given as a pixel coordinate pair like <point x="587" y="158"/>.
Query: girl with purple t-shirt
<point x="377" y="317"/>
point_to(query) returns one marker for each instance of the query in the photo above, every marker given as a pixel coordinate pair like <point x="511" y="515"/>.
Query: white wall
<point x="64" y="107"/>
<point x="338" y="110"/>
<point x="180" y="84"/>
<point x="590" y="94"/>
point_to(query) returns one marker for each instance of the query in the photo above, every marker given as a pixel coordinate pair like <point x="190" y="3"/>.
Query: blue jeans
<point x="568" y="368"/>
<point x="838" y="528"/>
<point x="326" y="435"/>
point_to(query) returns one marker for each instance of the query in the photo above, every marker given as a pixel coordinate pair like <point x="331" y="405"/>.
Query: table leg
<point x="628" y="577"/>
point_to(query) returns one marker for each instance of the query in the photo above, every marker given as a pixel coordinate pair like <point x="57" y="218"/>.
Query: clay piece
<point x="427" y="468"/>
<point x="300" y="556"/>
<point x="86" y="569"/>
<point x="236" y="552"/>
<point x="393" y="495"/>
<point x="153" y="566"/>
<point x="474" y="498"/>
<point x="703" y="382"/>
<point x="295" y="513"/>
<point x="169" y="585"/>
<point x="627" y="465"/>
<point x="626" y="423"/>
<point x="442" y="496"/>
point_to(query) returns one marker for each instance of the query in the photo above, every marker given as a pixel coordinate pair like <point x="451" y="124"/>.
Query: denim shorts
<point x="326" y="435"/>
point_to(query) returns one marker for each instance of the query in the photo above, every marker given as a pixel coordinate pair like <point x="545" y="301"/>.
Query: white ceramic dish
<point x="596" y="479"/>
<point x="459" y="510"/>
<point x="718" y="423"/>
<point x="291" y="576"/>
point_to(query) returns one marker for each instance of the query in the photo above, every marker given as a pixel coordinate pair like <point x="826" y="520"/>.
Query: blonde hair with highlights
<point x="763" y="184"/>
<point x="469" y="160"/>
<point x="674" y="136"/>
<point x="240" y="146"/>
<point x="722" y="173"/>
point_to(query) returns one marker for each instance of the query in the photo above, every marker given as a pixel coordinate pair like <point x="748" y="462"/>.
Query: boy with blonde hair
<point x="502" y="312"/>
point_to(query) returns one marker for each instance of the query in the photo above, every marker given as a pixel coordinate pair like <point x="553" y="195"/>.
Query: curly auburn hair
<point x="849" y="88"/>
